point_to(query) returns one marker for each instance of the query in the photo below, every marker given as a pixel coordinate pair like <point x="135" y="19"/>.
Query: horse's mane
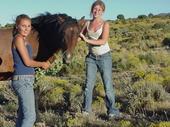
<point x="58" y="20"/>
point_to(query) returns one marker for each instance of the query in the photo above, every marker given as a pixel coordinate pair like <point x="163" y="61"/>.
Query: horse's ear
<point x="81" y="21"/>
<point x="82" y="18"/>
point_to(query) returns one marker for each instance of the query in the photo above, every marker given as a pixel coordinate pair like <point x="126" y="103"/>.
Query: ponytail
<point x="14" y="31"/>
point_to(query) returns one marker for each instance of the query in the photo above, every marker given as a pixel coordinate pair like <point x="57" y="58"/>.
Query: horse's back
<point x="6" y="62"/>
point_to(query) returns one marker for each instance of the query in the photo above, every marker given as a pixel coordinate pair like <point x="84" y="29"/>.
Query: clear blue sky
<point x="9" y="9"/>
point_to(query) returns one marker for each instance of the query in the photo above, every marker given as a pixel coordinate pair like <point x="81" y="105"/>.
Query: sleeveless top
<point x="19" y="67"/>
<point x="96" y="49"/>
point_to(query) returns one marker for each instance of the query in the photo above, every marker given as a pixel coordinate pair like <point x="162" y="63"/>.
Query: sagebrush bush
<point x="160" y="124"/>
<point x="54" y="96"/>
<point x="99" y="90"/>
<point x="75" y="98"/>
<point x="129" y="62"/>
<point x="125" y="123"/>
<point x="52" y="119"/>
<point x="153" y="79"/>
<point x="74" y="121"/>
<point x="98" y="105"/>
<point x="159" y="25"/>
<point x="142" y="96"/>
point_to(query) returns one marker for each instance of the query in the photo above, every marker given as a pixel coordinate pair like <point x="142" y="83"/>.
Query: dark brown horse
<point x="50" y="34"/>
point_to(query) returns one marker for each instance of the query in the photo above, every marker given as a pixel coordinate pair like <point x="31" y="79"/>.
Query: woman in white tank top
<point x="96" y="33"/>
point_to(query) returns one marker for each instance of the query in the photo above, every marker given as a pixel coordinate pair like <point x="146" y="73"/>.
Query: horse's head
<point x="57" y="32"/>
<point x="71" y="35"/>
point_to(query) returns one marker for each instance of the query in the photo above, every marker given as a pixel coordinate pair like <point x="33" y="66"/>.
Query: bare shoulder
<point x="106" y="23"/>
<point x="18" y="41"/>
<point x="18" y="38"/>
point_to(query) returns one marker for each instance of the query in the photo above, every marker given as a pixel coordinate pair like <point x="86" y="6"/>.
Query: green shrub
<point x="125" y="123"/>
<point x="98" y="105"/>
<point x="152" y="43"/>
<point x="52" y="119"/>
<point x="120" y="16"/>
<point x="139" y="73"/>
<point x="142" y="96"/>
<point x="53" y="96"/>
<point x="129" y="62"/>
<point x="99" y="90"/>
<point x="161" y="124"/>
<point x="166" y="81"/>
<point x="75" y="90"/>
<point x="11" y="107"/>
<point x="5" y="123"/>
<point x="147" y="57"/>
<point x="2" y="121"/>
<point x="161" y="58"/>
<point x="150" y="15"/>
<point x="159" y="25"/>
<point x="48" y="82"/>
<point x="75" y="98"/>
<point x="142" y="17"/>
<point x="74" y="121"/>
<point x="165" y="71"/>
<point x="153" y="79"/>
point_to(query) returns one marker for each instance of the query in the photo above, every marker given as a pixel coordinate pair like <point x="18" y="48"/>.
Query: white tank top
<point x="97" y="49"/>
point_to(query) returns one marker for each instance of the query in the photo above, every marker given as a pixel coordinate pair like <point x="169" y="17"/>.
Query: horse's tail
<point x="0" y="61"/>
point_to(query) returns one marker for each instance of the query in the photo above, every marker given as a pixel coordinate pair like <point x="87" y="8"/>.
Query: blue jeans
<point x="103" y="64"/>
<point x="23" y="87"/>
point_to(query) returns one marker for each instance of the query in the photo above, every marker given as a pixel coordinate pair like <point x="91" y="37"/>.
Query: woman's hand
<point x="83" y="37"/>
<point x="79" y="39"/>
<point x="46" y="65"/>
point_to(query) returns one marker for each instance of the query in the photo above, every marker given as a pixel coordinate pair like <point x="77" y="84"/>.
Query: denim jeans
<point x="23" y="87"/>
<point x="103" y="64"/>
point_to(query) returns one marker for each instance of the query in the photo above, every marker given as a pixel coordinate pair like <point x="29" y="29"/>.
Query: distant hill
<point x="164" y="14"/>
